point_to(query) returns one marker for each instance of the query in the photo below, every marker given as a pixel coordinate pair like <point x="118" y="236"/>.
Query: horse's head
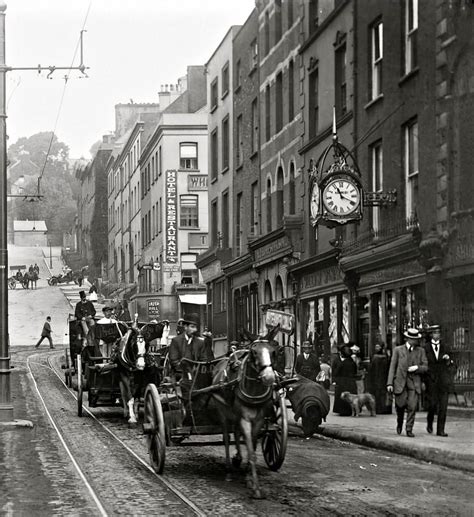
<point x="140" y="351"/>
<point x="262" y="356"/>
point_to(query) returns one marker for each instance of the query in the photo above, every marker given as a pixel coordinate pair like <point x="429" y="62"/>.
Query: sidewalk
<point x="456" y="451"/>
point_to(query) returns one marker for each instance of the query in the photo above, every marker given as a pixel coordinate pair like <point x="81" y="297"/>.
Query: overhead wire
<point x="61" y="101"/>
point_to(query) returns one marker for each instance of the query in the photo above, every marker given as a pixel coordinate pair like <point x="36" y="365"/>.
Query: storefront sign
<point x="321" y="278"/>
<point x="270" y="250"/>
<point x="171" y="218"/>
<point x="168" y="268"/>
<point x="197" y="182"/>
<point x="153" y="309"/>
<point x="284" y="320"/>
<point x="391" y="274"/>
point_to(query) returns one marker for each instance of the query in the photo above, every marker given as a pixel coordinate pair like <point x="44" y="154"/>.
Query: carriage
<point x="84" y="371"/>
<point x="20" y="277"/>
<point x="179" y="409"/>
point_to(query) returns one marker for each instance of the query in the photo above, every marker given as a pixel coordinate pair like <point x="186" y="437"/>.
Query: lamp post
<point x="50" y="256"/>
<point x="6" y="407"/>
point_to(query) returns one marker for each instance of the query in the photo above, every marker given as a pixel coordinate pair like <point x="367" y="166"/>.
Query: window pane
<point x="188" y="151"/>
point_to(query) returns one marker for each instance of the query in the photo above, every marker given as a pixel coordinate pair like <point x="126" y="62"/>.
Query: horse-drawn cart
<point x="241" y="393"/>
<point x="20" y="277"/>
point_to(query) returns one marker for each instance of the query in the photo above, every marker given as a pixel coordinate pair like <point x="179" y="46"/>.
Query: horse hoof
<point x="132" y="421"/>
<point x="257" y="494"/>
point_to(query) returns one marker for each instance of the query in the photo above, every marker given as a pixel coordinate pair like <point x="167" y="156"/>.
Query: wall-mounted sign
<point x="197" y="182"/>
<point x="272" y="249"/>
<point x="156" y="266"/>
<point x="171" y="217"/>
<point x="153" y="309"/>
<point x="169" y="268"/>
<point x="321" y="278"/>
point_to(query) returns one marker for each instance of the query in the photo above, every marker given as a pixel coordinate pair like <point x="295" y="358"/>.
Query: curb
<point x="429" y="454"/>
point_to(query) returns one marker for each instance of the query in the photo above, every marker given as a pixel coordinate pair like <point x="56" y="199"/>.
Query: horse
<point x="135" y="365"/>
<point x="248" y="398"/>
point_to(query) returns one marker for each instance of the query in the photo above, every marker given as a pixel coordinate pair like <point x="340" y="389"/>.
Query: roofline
<point x="222" y="41"/>
<point x="245" y="23"/>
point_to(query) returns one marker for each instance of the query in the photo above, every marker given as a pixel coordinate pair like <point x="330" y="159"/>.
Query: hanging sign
<point x="171" y="217"/>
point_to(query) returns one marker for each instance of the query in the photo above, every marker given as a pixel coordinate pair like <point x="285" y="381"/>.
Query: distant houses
<point x="29" y="233"/>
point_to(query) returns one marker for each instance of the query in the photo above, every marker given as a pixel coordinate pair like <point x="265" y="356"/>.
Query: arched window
<point x="279" y="295"/>
<point x="268" y="291"/>
<point x="280" y="210"/>
<point x="269" y="205"/>
<point x="292" y="190"/>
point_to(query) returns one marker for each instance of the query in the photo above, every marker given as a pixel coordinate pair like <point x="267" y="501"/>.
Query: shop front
<point x="324" y="306"/>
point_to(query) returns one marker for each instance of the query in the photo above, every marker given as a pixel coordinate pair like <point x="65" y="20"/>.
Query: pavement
<point x="456" y="451"/>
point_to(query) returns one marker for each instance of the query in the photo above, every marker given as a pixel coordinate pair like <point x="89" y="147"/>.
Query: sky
<point x="131" y="47"/>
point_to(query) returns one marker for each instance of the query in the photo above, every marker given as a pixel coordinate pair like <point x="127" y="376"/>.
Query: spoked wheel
<point x="67" y="373"/>
<point x="80" y="387"/>
<point x="154" y="428"/>
<point x="12" y="284"/>
<point x="275" y="439"/>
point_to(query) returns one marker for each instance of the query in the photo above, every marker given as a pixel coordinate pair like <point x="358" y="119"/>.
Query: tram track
<point x="168" y="500"/>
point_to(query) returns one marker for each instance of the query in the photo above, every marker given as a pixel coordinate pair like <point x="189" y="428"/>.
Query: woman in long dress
<point x="377" y="380"/>
<point x="344" y="371"/>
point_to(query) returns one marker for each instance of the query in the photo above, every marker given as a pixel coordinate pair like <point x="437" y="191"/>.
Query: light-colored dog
<point x="357" y="402"/>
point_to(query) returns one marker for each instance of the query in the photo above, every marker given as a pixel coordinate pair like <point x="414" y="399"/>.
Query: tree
<point x="58" y="207"/>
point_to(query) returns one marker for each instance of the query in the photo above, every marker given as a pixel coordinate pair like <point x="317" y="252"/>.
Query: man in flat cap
<point x="407" y="366"/>
<point x="438" y="381"/>
<point x="84" y="313"/>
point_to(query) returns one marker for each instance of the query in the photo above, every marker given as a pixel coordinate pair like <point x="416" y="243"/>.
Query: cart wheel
<point x="54" y="281"/>
<point x="154" y="427"/>
<point x="12" y="284"/>
<point x="274" y="441"/>
<point x="79" y="385"/>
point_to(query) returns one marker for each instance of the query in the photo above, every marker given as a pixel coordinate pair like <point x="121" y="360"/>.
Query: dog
<point x="357" y="402"/>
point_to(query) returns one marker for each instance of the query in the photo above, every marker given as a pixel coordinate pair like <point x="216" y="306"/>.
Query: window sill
<point x="239" y="167"/>
<point x="373" y="101"/>
<point x="189" y="170"/>
<point x="408" y="76"/>
<point x="190" y="228"/>
<point x="237" y="88"/>
<point x="213" y="180"/>
<point x="224" y="95"/>
<point x="252" y="70"/>
<point x="213" y="108"/>
<point x="224" y="170"/>
<point x="254" y="155"/>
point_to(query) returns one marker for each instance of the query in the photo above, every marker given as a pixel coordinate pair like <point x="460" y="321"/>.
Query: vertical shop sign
<point x="171" y="218"/>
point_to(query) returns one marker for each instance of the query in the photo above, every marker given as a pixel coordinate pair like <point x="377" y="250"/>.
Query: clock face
<point x="341" y="197"/>
<point x="315" y="201"/>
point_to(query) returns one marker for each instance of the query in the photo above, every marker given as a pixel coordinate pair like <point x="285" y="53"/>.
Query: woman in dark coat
<point x="377" y="380"/>
<point x="344" y="371"/>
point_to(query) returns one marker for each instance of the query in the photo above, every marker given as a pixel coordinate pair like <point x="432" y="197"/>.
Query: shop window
<point x="391" y="324"/>
<point x="333" y="323"/>
<point x="188" y="156"/>
<point x="413" y="305"/>
<point x="254" y="309"/>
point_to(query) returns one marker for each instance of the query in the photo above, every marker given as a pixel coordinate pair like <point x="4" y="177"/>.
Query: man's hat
<point x="434" y="328"/>
<point x="306" y="344"/>
<point x="412" y="334"/>
<point x="190" y="319"/>
<point x="82" y="294"/>
<point x="107" y="308"/>
<point x="355" y="348"/>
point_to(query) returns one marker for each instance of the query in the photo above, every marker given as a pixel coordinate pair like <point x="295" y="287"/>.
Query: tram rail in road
<point x="193" y="508"/>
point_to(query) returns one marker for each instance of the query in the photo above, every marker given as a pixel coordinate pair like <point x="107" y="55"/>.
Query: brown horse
<point x="248" y="398"/>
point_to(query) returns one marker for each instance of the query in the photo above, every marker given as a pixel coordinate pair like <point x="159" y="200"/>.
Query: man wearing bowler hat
<point x="188" y="345"/>
<point x="404" y="378"/>
<point x="438" y="381"/>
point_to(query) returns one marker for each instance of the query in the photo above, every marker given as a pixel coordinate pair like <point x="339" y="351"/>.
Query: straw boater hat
<point x="412" y="334"/>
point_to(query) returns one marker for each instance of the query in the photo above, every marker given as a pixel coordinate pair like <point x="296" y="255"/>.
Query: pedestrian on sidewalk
<point x="438" y="381"/>
<point x="377" y="380"/>
<point x="307" y="363"/>
<point x="344" y="372"/>
<point x="46" y="333"/>
<point x="407" y="366"/>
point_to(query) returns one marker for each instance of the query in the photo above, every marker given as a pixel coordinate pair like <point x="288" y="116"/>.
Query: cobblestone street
<point x="320" y="476"/>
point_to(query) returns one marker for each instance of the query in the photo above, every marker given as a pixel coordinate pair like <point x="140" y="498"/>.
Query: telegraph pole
<point x="6" y="406"/>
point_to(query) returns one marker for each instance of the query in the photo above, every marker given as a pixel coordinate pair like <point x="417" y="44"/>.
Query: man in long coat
<point x="307" y="364"/>
<point x="438" y="381"/>
<point x="407" y="366"/>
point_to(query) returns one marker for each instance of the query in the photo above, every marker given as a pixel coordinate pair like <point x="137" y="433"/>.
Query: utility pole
<point x="6" y="406"/>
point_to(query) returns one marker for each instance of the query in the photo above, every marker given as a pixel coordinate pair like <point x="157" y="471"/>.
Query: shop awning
<point x="196" y="299"/>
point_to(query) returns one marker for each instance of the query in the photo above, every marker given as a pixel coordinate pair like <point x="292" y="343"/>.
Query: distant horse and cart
<point x="23" y="277"/>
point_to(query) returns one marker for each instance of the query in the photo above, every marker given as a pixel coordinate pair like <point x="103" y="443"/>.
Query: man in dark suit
<point x="404" y="378"/>
<point x="188" y="345"/>
<point x="307" y="364"/>
<point x="438" y="381"/>
<point x="84" y="313"/>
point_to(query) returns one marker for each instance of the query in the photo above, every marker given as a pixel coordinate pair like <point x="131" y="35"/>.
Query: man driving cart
<point x="84" y="313"/>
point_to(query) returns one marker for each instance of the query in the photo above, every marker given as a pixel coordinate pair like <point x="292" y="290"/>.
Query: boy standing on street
<point x="46" y="333"/>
